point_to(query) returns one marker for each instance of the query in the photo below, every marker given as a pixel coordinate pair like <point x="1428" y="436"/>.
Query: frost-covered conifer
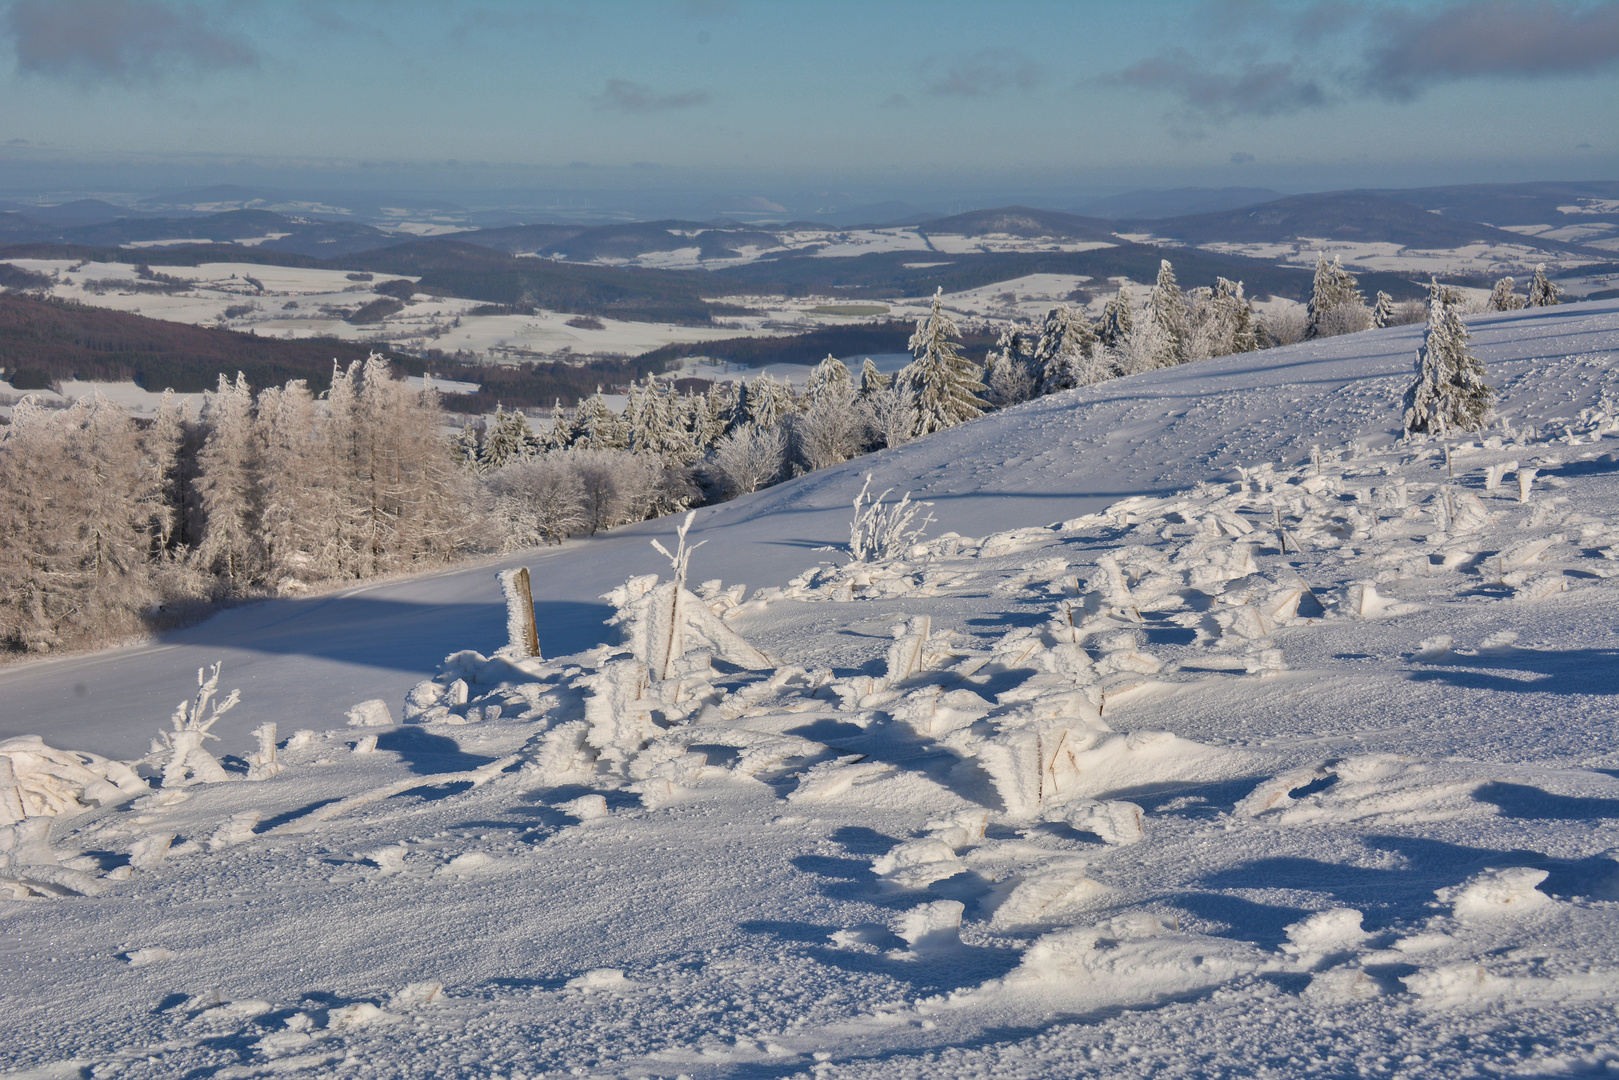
<point x="769" y="402"/>
<point x="228" y="485"/>
<point x="1336" y="305"/>
<point x="1383" y="312"/>
<point x="1502" y="297"/>
<point x="509" y="439"/>
<point x="1449" y="393"/>
<point x="467" y="448"/>
<point x="1118" y="315"/>
<point x="943" y="385"/>
<point x="76" y="524"/>
<point x="829" y="378"/>
<point x="1067" y="353"/>
<point x="1166" y="309"/>
<point x="1542" y="291"/>
<point x="596" y="426"/>
<point x="1009" y="375"/>
<point x="299" y="493"/>
<point x="872" y="380"/>
<point x="560" y="434"/>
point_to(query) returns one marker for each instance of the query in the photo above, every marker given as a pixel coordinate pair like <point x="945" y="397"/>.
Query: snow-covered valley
<point x="1209" y="730"/>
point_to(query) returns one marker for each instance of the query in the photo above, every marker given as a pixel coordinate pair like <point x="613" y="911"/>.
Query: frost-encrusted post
<point x="522" y="637"/>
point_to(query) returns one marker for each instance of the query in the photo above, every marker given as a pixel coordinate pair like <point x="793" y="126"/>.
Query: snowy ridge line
<point x="900" y="823"/>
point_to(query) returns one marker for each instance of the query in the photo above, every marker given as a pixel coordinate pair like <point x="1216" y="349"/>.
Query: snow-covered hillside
<point x="1178" y="747"/>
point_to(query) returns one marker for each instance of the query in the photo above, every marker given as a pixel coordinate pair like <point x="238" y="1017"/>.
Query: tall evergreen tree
<point x="467" y="448"/>
<point x="1383" y="312"/>
<point x="943" y="384"/>
<point x="1502" y="298"/>
<point x="509" y="439"/>
<point x="1449" y="393"/>
<point x="1336" y="305"/>
<point x="1166" y="307"/>
<point x="829" y="377"/>
<point x="1542" y="291"/>
<point x="229" y="487"/>
<point x="1118" y="315"/>
<point x="1067" y="353"/>
<point x="871" y="380"/>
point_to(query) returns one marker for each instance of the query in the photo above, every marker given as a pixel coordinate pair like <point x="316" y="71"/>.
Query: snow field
<point x="1303" y="767"/>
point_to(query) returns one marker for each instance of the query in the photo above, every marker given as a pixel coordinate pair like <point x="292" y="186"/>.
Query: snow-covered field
<point x="1174" y="749"/>
<point x="298" y="303"/>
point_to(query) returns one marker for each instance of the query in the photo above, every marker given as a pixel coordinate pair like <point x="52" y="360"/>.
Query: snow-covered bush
<point x="881" y="532"/>
<point x="750" y="458"/>
<point x="179" y="752"/>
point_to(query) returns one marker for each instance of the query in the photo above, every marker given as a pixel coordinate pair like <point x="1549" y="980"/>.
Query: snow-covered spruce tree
<point x="829" y="377"/>
<point x="1068" y="353"/>
<point x="1542" y="291"/>
<point x="228" y="486"/>
<point x="872" y="380"/>
<point x="1118" y="316"/>
<point x="943" y="384"/>
<point x="1246" y="329"/>
<point x="468" y="448"/>
<point x="770" y="403"/>
<point x="1449" y="393"/>
<point x="509" y="439"/>
<point x="559" y="435"/>
<point x="1166" y="309"/>
<point x="596" y="426"/>
<point x="1502" y="298"/>
<point x="1336" y="305"/>
<point x="1009" y="376"/>
<point x="750" y="458"/>
<point x="1383" y="312"/>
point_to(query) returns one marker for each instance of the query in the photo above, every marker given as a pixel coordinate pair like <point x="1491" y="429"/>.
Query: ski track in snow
<point x="1340" y="794"/>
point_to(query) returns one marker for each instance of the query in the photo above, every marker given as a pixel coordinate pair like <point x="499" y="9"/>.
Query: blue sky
<point x="891" y="96"/>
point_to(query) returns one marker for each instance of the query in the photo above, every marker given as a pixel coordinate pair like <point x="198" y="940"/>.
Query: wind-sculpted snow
<point x="1301" y="767"/>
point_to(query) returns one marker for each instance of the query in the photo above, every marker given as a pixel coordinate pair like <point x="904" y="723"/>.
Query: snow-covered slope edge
<point x="1310" y="764"/>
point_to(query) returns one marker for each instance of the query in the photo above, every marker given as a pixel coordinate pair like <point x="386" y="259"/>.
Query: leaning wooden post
<point x="522" y="636"/>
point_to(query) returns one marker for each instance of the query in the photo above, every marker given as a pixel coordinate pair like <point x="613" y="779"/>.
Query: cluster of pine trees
<point x="667" y="451"/>
<point x="1171" y="327"/>
<point x="110" y="524"/>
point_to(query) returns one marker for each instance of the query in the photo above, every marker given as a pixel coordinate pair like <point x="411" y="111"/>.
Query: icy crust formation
<point x="968" y="823"/>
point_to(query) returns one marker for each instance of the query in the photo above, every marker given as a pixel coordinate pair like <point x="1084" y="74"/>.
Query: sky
<point x="892" y="98"/>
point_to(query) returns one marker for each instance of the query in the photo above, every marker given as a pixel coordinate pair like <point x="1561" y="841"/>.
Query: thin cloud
<point x="1254" y="88"/>
<point x="1243" y="157"/>
<point x="633" y="97"/>
<point x="118" y="40"/>
<point x="1493" y="38"/>
<point x="982" y="74"/>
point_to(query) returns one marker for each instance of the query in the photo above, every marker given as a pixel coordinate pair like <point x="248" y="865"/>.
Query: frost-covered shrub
<point x="750" y="458"/>
<point x="540" y="500"/>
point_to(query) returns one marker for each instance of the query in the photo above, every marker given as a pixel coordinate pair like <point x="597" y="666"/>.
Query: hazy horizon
<point x="649" y="107"/>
